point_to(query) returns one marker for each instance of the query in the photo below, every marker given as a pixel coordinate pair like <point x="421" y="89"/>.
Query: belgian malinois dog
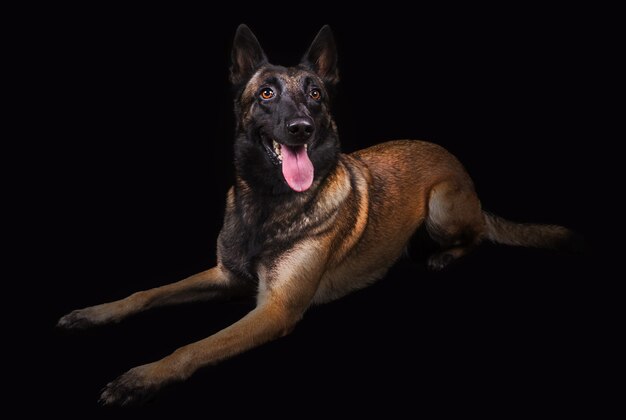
<point x="304" y="223"/>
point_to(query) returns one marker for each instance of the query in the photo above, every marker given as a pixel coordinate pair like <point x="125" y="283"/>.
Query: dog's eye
<point x="315" y="94"/>
<point x="266" y="94"/>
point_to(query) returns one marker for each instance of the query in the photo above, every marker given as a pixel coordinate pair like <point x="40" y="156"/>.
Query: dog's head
<point x="286" y="137"/>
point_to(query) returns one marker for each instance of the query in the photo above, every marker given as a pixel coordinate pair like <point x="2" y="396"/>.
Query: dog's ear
<point x="247" y="55"/>
<point x="322" y="56"/>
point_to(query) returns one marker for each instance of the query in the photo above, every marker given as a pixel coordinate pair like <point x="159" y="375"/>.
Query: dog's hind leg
<point x="454" y="221"/>
<point x="207" y="285"/>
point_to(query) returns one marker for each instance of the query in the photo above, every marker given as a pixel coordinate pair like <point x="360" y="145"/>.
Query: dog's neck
<point x="326" y="193"/>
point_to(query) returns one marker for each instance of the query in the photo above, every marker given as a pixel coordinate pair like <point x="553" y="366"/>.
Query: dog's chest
<point x="261" y="237"/>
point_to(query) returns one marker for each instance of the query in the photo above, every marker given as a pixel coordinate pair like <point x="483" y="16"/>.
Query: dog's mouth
<point x="295" y="163"/>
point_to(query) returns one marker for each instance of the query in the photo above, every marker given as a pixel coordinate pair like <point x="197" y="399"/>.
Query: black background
<point x="138" y="113"/>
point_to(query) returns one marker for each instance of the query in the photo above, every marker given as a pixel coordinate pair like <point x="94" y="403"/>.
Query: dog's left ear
<point x="322" y="56"/>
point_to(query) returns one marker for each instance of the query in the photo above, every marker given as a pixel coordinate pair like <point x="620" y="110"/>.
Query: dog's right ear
<point x="247" y="55"/>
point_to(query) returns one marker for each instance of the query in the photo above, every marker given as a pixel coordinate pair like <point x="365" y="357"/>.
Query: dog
<point x="304" y="223"/>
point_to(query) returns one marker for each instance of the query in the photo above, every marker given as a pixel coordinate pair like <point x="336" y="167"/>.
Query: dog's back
<point x="415" y="183"/>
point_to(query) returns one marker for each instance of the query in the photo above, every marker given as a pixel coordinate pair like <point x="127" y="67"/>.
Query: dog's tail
<point x="554" y="237"/>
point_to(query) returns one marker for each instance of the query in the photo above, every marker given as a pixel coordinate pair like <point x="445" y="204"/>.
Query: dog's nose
<point x="300" y="128"/>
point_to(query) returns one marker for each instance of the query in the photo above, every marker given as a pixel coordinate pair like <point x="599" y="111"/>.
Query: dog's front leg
<point x="286" y="288"/>
<point x="215" y="283"/>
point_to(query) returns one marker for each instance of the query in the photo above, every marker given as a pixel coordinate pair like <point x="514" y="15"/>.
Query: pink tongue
<point x="297" y="167"/>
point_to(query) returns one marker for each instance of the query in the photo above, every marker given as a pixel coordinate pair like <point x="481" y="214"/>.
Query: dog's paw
<point x="75" y="320"/>
<point x="438" y="262"/>
<point x="86" y="318"/>
<point x="135" y="387"/>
